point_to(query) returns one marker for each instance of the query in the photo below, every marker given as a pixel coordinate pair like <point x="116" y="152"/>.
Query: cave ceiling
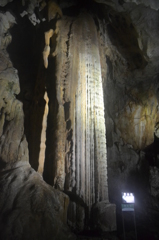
<point x="131" y="26"/>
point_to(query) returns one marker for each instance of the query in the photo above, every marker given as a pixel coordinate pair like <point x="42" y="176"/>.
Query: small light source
<point x="127" y="205"/>
<point x="128" y="198"/>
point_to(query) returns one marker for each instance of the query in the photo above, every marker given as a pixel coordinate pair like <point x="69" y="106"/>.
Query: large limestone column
<point x="90" y="132"/>
<point x="79" y="84"/>
<point x="81" y="157"/>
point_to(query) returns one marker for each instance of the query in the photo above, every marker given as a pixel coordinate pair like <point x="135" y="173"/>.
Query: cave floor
<point x="129" y="235"/>
<point x="98" y="236"/>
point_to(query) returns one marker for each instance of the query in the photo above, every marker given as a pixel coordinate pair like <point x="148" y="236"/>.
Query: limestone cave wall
<point x="29" y="208"/>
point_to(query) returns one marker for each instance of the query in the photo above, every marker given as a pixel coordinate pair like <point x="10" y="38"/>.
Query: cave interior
<point x="79" y="119"/>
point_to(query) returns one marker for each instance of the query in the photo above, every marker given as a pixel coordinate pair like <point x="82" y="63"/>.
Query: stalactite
<point x="43" y="136"/>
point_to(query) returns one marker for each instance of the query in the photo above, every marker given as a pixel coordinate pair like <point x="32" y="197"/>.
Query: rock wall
<point x="13" y="143"/>
<point x="29" y="208"/>
<point x="131" y="103"/>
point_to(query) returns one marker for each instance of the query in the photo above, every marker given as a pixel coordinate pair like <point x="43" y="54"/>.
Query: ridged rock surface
<point x="79" y="87"/>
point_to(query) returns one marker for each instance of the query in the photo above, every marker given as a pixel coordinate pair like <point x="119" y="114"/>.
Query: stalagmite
<point x="43" y="136"/>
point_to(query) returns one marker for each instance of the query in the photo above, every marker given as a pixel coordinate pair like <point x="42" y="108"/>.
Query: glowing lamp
<point x="128" y="197"/>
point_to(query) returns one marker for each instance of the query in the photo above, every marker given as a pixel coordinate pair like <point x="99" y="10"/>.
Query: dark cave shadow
<point x="152" y="152"/>
<point x="25" y="52"/>
<point x="124" y="36"/>
<point x="50" y="164"/>
<point x="2" y="164"/>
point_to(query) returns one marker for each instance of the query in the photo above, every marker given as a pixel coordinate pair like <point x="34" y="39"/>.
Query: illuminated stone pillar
<point x="80" y="92"/>
<point x="90" y="134"/>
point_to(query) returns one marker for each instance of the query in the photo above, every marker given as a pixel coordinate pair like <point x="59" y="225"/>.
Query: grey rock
<point x="4" y="2"/>
<point x="104" y="216"/>
<point x="154" y="4"/>
<point x="154" y="181"/>
<point x="30" y="208"/>
<point x="6" y="21"/>
<point x="76" y="216"/>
